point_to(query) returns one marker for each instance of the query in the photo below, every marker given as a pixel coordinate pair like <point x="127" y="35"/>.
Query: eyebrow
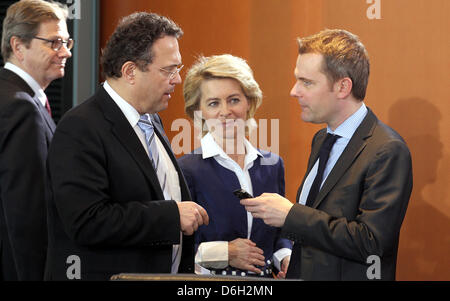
<point x="234" y="95"/>
<point x="218" y="98"/>
<point x="173" y="66"/>
<point x="305" y="79"/>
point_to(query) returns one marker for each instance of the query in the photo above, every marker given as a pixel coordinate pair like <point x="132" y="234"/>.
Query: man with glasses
<point x="35" y="46"/>
<point x="119" y="200"/>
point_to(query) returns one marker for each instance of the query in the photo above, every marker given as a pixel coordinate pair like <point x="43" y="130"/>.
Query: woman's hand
<point x="245" y="255"/>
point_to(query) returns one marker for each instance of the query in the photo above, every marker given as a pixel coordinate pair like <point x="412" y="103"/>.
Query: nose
<point x="64" y="52"/>
<point x="176" y="79"/>
<point x="224" y="110"/>
<point x="295" y="91"/>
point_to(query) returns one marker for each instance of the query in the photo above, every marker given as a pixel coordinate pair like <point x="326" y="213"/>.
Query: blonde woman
<point x="222" y="92"/>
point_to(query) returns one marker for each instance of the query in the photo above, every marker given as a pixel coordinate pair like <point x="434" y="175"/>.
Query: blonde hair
<point x="24" y="18"/>
<point x="216" y="67"/>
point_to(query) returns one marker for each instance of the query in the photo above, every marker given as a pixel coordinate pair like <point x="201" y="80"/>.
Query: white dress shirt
<point x="37" y="89"/>
<point x="215" y="253"/>
<point x="345" y="131"/>
<point x="172" y="190"/>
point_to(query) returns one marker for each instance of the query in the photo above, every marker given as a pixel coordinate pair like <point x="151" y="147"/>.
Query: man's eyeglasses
<point x="172" y="74"/>
<point x="58" y="43"/>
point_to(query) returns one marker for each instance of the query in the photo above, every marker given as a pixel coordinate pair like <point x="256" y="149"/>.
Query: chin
<point x="305" y="118"/>
<point x="162" y="107"/>
<point x="234" y="134"/>
<point x="57" y="75"/>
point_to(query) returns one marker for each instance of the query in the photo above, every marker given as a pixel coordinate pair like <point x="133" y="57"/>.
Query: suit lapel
<point x="125" y="134"/>
<point x="356" y="144"/>
<point x="317" y="142"/>
<point x="48" y="120"/>
<point x="14" y="78"/>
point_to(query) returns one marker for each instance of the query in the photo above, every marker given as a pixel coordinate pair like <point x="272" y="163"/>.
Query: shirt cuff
<point x="212" y="254"/>
<point x="279" y="255"/>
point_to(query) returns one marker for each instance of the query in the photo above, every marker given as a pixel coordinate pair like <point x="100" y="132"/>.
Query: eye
<point x="306" y="83"/>
<point x="170" y="69"/>
<point x="213" y="104"/>
<point x="234" y="100"/>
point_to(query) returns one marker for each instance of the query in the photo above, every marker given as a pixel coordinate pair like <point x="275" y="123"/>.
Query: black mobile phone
<point x="242" y="194"/>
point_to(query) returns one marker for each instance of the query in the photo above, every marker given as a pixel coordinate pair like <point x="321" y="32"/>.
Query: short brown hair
<point x="133" y="40"/>
<point x="343" y="56"/>
<point x="24" y="18"/>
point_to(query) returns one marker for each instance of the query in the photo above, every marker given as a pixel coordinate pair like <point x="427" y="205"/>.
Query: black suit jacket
<point x="359" y="210"/>
<point x="26" y="130"/>
<point x="107" y="205"/>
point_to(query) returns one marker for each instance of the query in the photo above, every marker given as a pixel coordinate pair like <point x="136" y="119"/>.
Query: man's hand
<point x="284" y="267"/>
<point x="192" y="216"/>
<point x="245" y="255"/>
<point x="271" y="207"/>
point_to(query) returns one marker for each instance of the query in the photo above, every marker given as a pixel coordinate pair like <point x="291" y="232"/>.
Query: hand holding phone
<point x="242" y="194"/>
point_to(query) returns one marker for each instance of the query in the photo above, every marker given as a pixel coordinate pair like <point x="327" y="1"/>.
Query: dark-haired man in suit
<point x="120" y="203"/>
<point x="354" y="196"/>
<point x="35" y="47"/>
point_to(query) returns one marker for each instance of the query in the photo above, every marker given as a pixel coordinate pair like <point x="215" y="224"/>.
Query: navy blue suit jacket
<point x="211" y="186"/>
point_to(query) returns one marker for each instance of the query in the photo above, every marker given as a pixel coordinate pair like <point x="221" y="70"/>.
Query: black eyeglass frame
<point x="58" y="43"/>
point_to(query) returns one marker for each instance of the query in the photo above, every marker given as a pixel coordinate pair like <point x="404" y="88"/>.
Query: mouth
<point x="302" y="105"/>
<point x="60" y="65"/>
<point x="231" y="123"/>
<point x="228" y="123"/>
<point x="168" y="93"/>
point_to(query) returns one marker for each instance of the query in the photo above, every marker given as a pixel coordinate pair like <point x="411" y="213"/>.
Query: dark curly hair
<point x="132" y="41"/>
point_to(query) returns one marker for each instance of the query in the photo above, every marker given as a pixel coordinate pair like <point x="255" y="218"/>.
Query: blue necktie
<point x="147" y="128"/>
<point x="146" y="125"/>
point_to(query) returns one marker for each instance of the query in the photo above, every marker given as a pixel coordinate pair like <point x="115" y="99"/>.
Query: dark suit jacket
<point x="107" y="205"/>
<point x="26" y="130"/>
<point x="212" y="187"/>
<point x="359" y="210"/>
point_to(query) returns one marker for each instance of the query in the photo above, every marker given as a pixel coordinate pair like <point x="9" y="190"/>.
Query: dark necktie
<point x="324" y="154"/>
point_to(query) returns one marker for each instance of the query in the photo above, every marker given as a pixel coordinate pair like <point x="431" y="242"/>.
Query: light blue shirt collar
<point x="349" y="126"/>
<point x="346" y="131"/>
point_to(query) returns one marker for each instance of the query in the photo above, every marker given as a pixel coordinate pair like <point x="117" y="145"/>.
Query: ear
<point x="344" y="87"/>
<point x="17" y="47"/>
<point x="129" y="72"/>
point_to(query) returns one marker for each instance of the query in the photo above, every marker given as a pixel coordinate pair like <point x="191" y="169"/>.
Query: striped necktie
<point x="146" y="125"/>
<point x="147" y="128"/>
